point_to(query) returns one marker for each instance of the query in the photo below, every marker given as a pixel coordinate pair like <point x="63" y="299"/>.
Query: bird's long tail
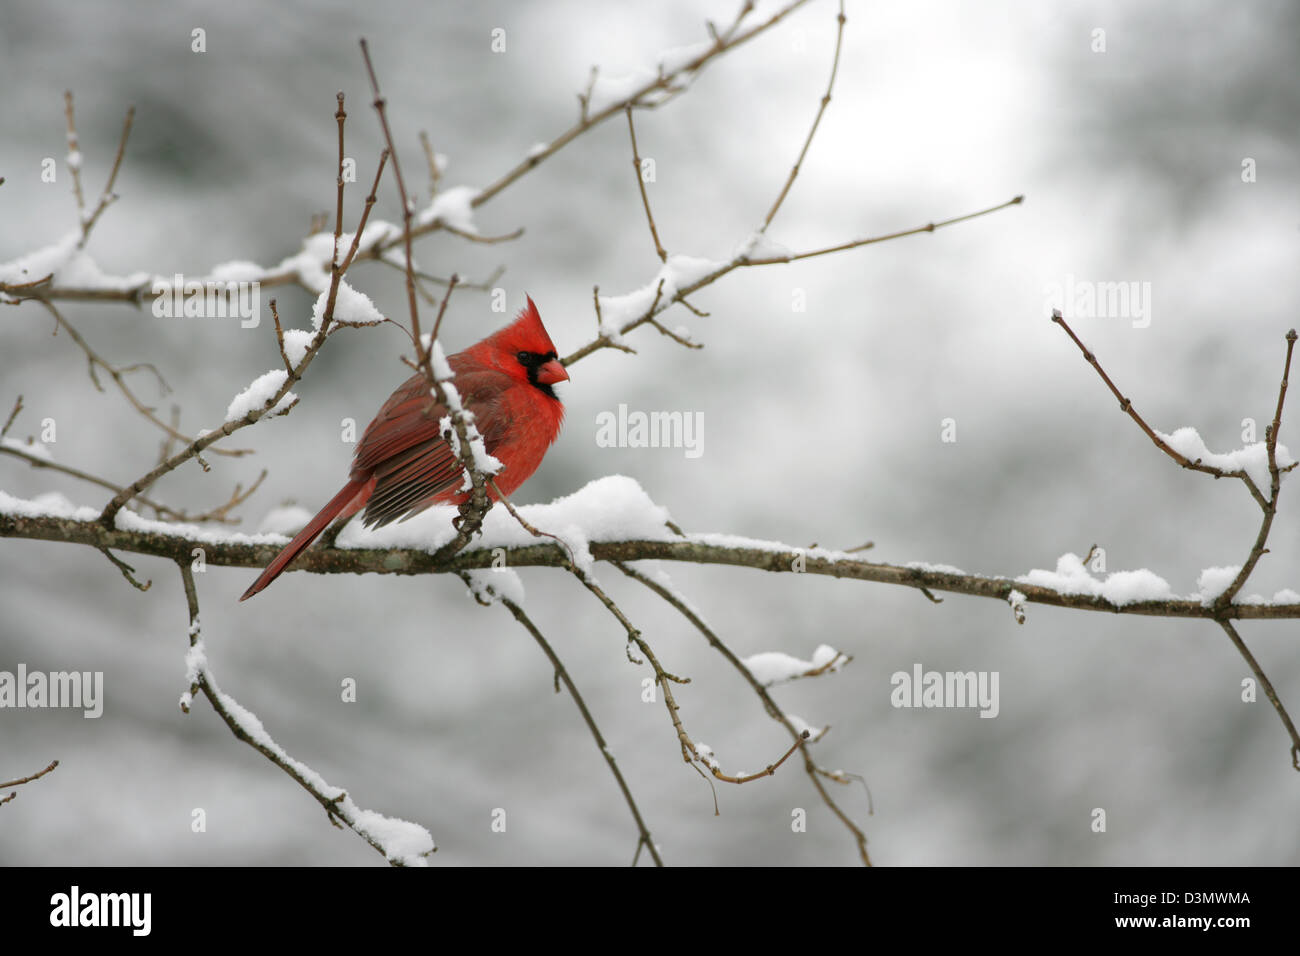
<point x="345" y="504"/>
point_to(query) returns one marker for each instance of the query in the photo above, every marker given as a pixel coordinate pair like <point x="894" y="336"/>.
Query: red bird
<point x="402" y="465"/>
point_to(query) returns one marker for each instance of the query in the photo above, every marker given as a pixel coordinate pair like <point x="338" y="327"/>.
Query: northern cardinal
<point x="403" y="465"/>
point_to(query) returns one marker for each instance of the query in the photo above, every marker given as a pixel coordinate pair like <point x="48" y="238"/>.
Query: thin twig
<point x="18" y="407"/>
<point x="640" y="183"/>
<point x="128" y="572"/>
<point x="1259" y="549"/>
<point x="744" y="260"/>
<point x="562" y="674"/>
<point x="821" y="111"/>
<point x="1268" y="689"/>
<point x="95" y="360"/>
<point x="1126" y="406"/>
<point x="36" y="776"/>
<point x="810" y="766"/>
<point x="74" y="160"/>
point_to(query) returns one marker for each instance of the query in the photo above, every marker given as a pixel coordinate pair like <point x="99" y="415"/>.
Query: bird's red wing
<point x="404" y="452"/>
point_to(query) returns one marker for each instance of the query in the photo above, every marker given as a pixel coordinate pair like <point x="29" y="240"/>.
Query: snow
<point x="484" y="463"/>
<point x="707" y="755"/>
<point x="496" y="582"/>
<point x="403" y="842"/>
<point x="69" y="266"/>
<point x="609" y="91"/>
<point x="311" y="264"/>
<point x="296" y="343"/>
<point x="34" y="449"/>
<point x="239" y="270"/>
<point x="350" y="307"/>
<point x="677" y="58"/>
<point x="1252" y="459"/>
<point x="258" y="393"/>
<point x="537" y="149"/>
<point x="613" y="508"/>
<point x="934" y="568"/>
<point x="196" y="662"/>
<point x="679" y="272"/>
<point x="453" y="207"/>
<point x="438" y="359"/>
<point x="1214" y="581"/>
<point x="776" y="667"/>
<point x="51" y="504"/>
<point x="802" y="726"/>
<point x="718" y="540"/>
<point x="759" y="246"/>
<point x="1284" y="596"/>
<point x="287" y="520"/>
<point x="81" y="270"/>
<point x="1120" y="588"/>
<point x="1017" y="601"/>
<point x="41" y="263"/>
<point x="377" y="233"/>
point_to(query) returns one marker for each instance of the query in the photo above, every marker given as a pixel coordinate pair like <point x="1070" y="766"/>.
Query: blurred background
<point x="821" y="425"/>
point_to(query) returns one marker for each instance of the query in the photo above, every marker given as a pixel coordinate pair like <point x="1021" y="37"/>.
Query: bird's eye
<point x="522" y="357"/>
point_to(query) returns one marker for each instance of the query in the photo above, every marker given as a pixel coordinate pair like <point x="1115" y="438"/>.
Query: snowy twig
<point x="523" y="523"/>
<point x="1275" y="486"/>
<point x="762" y="556"/>
<point x="1223" y="608"/>
<point x="478" y="502"/>
<point x="87" y="222"/>
<point x="220" y="513"/>
<point x="770" y="705"/>
<point x="1126" y="406"/>
<point x="742" y="260"/>
<point x="416" y="842"/>
<point x="273" y="404"/>
<point x="669" y="82"/>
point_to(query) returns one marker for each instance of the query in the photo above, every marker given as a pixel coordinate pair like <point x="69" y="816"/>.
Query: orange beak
<point x="552" y="372"/>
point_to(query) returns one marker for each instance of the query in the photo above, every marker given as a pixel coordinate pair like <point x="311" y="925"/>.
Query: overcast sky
<point x="1154" y="147"/>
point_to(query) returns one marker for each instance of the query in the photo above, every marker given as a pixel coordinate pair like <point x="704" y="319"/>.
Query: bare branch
<point x="118" y="375"/>
<point x="821" y="111"/>
<point x="22" y="780"/>
<point x="561" y="673"/>
<point x="1268" y="689"/>
<point x="640" y="183"/>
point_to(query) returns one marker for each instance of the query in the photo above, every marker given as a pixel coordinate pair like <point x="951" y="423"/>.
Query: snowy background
<point x="820" y="426"/>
